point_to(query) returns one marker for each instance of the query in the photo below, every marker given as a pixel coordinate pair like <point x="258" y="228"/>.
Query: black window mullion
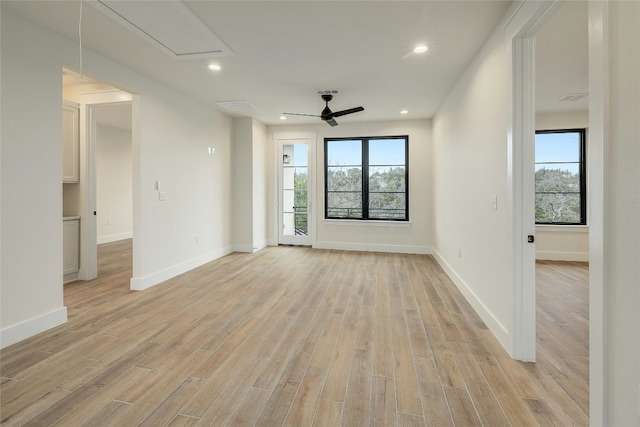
<point x="326" y="178"/>
<point x="365" y="178"/>
<point x="583" y="177"/>
<point x="406" y="178"/>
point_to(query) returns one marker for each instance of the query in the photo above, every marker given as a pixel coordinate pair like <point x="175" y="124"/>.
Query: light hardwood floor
<point x="297" y="337"/>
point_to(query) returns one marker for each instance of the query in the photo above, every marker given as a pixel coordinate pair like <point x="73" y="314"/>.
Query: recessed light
<point x="215" y="67"/>
<point x="283" y="118"/>
<point x="404" y="112"/>
<point x="420" y="49"/>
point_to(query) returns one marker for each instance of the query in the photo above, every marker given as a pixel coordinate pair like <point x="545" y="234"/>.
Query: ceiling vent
<point x="572" y="97"/>
<point x="238" y="106"/>
<point x="327" y="91"/>
<point x="168" y="25"/>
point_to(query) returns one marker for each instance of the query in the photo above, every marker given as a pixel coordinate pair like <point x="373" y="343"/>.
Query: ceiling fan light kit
<point x="327" y="115"/>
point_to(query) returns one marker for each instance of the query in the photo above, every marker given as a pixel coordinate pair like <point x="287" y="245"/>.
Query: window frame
<point x="365" y="177"/>
<point x="582" y="168"/>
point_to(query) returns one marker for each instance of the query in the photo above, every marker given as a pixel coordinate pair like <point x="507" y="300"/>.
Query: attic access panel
<point x="168" y="25"/>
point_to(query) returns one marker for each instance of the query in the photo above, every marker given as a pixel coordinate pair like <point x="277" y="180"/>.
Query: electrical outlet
<point x="197" y="239"/>
<point x="162" y="196"/>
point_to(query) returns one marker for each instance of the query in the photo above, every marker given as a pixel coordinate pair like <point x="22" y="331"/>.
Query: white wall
<point x="473" y="241"/>
<point x="31" y="297"/>
<point x="243" y="184"/>
<point x="563" y="243"/>
<point x="113" y="184"/>
<point x="195" y="224"/>
<point x="262" y="154"/>
<point x="415" y="237"/>
<point x="622" y="219"/>
<point x="170" y="139"/>
<point x="250" y="151"/>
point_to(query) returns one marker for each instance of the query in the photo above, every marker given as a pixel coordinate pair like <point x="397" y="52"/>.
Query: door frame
<point x="279" y="140"/>
<point x="521" y="27"/>
<point x="88" y="191"/>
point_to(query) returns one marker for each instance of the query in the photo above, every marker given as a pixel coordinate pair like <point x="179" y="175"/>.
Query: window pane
<point x="387" y="179"/>
<point x="387" y="205"/>
<point x="300" y="187"/>
<point x="301" y="226"/>
<point x="344" y="179"/>
<point x="558" y="178"/>
<point x="300" y="154"/>
<point x="387" y="152"/>
<point x="558" y="208"/>
<point x="344" y="204"/>
<point x="558" y="147"/>
<point x="344" y="153"/>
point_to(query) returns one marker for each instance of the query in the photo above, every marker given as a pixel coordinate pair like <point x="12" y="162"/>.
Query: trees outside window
<point x="367" y="178"/>
<point x="560" y="178"/>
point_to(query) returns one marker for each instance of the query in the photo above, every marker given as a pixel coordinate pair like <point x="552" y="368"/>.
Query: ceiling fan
<point x="327" y="115"/>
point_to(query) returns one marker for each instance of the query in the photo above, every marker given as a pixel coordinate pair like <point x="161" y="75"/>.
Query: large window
<point x="367" y="178"/>
<point x="561" y="177"/>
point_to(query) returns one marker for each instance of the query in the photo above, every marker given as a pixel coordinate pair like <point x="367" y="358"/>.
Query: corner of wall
<point x="31" y="327"/>
<point x="493" y="323"/>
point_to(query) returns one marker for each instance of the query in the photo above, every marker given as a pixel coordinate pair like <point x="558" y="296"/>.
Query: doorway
<point x="114" y="184"/>
<point x="522" y="49"/>
<point x="294" y="161"/>
<point x="561" y="196"/>
<point x="90" y="95"/>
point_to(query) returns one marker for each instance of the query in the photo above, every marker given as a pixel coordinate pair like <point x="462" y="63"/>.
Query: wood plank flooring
<point x="296" y="337"/>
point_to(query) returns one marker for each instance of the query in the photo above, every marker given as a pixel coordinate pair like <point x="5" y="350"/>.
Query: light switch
<point x="494" y="200"/>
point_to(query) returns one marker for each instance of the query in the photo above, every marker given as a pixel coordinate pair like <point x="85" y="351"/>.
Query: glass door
<point x="294" y="193"/>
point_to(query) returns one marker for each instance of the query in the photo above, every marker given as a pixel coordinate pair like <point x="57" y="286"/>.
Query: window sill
<point x="367" y="223"/>
<point x="562" y="228"/>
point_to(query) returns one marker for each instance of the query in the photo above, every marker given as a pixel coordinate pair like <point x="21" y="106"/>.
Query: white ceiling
<point x="562" y="59"/>
<point x="283" y="51"/>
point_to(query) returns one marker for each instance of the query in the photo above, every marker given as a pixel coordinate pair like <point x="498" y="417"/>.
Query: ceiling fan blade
<point x="345" y="112"/>
<point x="299" y="114"/>
<point x="332" y="122"/>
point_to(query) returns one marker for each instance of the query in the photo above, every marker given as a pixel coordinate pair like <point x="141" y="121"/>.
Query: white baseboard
<point x="562" y="256"/>
<point x="244" y="248"/>
<point x="142" y="283"/>
<point x="371" y="247"/>
<point x="260" y="245"/>
<point x="31" y="327"/>
<point x="494" y="325"/>
<point x="114" y="237"/>
<point x="70" y="277"/>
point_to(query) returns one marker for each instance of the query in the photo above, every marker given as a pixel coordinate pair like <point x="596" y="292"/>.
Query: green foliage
<point x="344" y="187"/>
<point x="300" y="202"/>
<point x="386" y="192"/>
<point x="557" y="196"/>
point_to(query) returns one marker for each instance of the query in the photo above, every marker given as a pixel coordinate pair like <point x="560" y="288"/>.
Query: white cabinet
<point x="70" y="245"/>
<point x="70" y="142"/>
